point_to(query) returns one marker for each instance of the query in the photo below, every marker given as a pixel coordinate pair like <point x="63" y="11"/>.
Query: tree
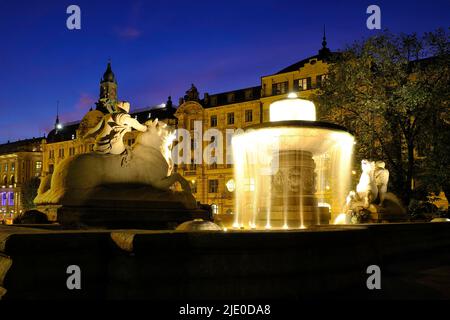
<point x="392" y="92"/>
<point x="29" y="192"/>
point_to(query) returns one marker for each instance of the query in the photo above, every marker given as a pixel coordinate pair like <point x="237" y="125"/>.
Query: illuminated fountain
<point x="292" y="172"/>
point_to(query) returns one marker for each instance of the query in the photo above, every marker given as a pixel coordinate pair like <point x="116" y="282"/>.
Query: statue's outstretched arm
<point x="133" y="123"/>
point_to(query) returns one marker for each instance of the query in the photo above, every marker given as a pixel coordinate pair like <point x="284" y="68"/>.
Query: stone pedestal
<point x="293" y="203"/>
<point x="131" y="206"/>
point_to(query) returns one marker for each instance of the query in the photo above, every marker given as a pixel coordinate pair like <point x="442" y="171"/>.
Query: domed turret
<point x="109" y="76"/>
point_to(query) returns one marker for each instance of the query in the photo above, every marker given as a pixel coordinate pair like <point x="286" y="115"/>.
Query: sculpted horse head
<point x="158" y="137"/>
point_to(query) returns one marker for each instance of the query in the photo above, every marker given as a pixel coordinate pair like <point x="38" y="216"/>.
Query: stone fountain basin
<point x="321" y="262"/>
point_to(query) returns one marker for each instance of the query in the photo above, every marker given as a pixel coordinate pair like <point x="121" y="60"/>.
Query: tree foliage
<point x="392" y="92"/>
<point x="29" y="192"/>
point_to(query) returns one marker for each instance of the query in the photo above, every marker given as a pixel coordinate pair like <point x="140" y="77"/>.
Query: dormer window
<point x="213" y="100"/>
<point x="279" y="88"/>
<point x="230" y="97"/>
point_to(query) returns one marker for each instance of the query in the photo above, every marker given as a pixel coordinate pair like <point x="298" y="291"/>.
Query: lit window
<point x="193" y="186"/>
<point x="320" y="79"/>
<point x="302" y="84"/>
<point x="248" y="115"/>
<point x="213" y="121"/>
<point x="230" y="118"/>
<point x="280" y="88"/>
<point x="214" y="208"/>
<point x="213" y="186"/>
<point x="38" y="165"/>
<point x="11" y="198"/>
<point x="3" y="198"/>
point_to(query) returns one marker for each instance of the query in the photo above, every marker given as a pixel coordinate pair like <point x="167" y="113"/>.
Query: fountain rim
<point x="297" y="124"/>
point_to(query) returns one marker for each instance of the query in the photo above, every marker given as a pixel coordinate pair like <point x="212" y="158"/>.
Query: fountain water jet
<point x="290" y="171"/>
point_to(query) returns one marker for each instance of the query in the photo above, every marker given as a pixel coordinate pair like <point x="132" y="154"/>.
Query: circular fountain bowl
<point x="315" y="136"/>
<point x="283" y="169"/>
<point x="198" y="225"/>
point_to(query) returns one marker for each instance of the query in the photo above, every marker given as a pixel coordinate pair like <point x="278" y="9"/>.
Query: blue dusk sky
<point x="158" y="48"/>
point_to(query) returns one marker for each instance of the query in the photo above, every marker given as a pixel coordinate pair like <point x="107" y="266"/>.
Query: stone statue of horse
<point x="79" y="178"/>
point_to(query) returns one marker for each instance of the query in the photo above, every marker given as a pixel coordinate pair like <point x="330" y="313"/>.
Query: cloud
<point x="80" y="108"/>
<point x="129" y="33"/>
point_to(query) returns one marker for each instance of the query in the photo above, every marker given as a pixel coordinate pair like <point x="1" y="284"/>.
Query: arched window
<point x="5" y="180"/>
<point x="12" y="180"/>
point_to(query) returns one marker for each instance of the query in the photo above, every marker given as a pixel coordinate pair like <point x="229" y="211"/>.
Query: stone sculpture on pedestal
<point x="371" y="201"/>
<point x="98" y="187"/>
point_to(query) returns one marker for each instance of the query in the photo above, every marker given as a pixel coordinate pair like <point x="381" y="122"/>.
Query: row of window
<point x="193" y="166"/>
<point x="213" y="186"/>
<point x="7" y="198"/>
<point x="299" y="85"/>
<point x="231" y="97"/>
<point x="5" y="167"/>
<point x="72" y="152"/>
<point x="230" y="119"/>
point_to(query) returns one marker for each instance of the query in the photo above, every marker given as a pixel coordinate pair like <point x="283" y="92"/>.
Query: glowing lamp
<point x="292" y="108"/>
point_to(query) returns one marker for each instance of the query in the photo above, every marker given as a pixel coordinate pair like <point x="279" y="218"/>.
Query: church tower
<point x="108" y="84"/>
<point x="108" y="90"/>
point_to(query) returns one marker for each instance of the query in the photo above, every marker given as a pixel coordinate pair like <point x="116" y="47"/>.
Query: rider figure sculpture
<point x="110" y="131"/>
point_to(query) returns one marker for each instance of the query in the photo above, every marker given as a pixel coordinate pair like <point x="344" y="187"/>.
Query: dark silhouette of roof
<point x="26" y="145"/>
<point x="230" y="97"/>
<point x="325" y="56"/>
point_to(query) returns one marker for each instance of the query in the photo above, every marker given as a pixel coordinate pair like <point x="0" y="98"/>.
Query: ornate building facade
<point x="20" y="161"/>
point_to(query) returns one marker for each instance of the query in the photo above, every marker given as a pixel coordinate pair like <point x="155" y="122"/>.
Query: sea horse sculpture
<point x="77" y="177"/>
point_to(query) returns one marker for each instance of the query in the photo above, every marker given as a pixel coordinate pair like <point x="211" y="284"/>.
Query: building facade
<point x="20" y="161"/>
